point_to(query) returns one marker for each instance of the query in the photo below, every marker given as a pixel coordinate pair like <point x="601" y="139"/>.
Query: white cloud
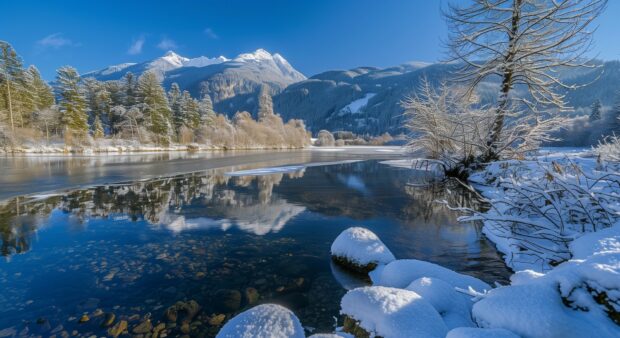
<point x="210" y="33"/>
<point x="167" y="44"/>
<point x="56" y="40"/>
<point x="136" y="46"/>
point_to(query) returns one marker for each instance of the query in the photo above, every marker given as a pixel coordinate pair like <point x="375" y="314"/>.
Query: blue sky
<point x="314" y="35"/>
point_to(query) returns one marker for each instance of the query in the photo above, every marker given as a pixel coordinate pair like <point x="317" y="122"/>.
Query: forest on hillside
<point x="77" y="114"/>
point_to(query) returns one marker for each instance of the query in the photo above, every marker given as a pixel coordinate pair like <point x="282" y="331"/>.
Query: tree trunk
<point x="507" y="79"/>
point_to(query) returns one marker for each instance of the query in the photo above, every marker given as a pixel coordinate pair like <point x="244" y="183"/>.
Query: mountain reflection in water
<point x="224" y="241"/>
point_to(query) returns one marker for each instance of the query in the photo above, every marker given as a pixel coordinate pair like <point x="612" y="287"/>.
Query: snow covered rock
<point x="360" y="250"/>
<point x="537" y="310"/>
<point x="263" y="321"/>
<point x="476" y="332"/>
<point x="400" y="273"/>
<point x="454" y="307"/>
<point x="390" y="313"/>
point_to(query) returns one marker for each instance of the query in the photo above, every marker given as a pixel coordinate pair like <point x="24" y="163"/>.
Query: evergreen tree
<point x="154" y="106"/>
<point x="174" y="98"/>
<point x="72" y="102"/>
<point x="189" y="109"/>
<point x="265" y="104"/>
<point x="44" y="96"/>
<point x="11" y="73"/>
<point x="595" y="113"/>
<point x="205" y="109"/>
<point x="99" y="100"/>
<point x="129" y="89"/>
<point x="98" y="128"/>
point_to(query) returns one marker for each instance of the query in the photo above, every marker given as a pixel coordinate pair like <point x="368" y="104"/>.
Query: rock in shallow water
<point x="267" y="320"/>
<point x="360" y="250"/>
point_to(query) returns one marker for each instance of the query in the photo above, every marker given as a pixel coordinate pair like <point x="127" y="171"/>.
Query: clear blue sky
<point x="314" y="35"/>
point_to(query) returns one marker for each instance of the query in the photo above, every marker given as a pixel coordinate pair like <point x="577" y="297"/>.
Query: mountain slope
<point x="367" y="99"/>
<point x="232" y="84"/>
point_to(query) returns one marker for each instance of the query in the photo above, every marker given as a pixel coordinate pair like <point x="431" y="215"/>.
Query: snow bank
<point x="454" y="307"/>
<point x="361" y="248"/>
<point x="391" y="312"/>
<point x="400" y="273"/>
<point x="475" y="332"/>
<point x="263" y="321"/>
<point x="602" y="241"/>
<point x="332" y="335"/>
<point x="536" y="310"/>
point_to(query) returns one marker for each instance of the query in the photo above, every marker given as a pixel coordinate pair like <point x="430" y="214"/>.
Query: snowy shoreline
<point x="578" y="296"/>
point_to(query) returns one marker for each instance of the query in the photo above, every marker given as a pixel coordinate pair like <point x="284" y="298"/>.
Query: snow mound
<point x="536" y="310"/>
<point x="475" y="332"/>
<point x="331" y="335"/>
<point x="361" y="246"/>
<point x="454" y="307"/>
<point x="602" y="241"/>
<point x="263" y="321"/>
<point x="391" y="312"/>
<point x="400" y="273"/>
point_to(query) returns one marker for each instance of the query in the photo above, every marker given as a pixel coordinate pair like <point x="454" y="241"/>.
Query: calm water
<point x="223" y="242"/>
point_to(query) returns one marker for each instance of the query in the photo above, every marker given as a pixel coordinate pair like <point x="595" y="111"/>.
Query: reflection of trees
<point x="426" y="199"/>
<point x="18" y="223"/>
<point x="247" y="200"/>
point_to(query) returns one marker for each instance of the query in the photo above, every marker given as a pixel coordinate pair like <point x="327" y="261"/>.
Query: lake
<point x="125" y="239"/>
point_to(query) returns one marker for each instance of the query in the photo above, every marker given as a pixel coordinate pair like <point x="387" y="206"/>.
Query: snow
<point x="392" y="313"/>
<point x="454" y="307"/>
<point x="400" y="273"/>
<point x="203" y="61"/>
<point x="332" y="335"/>
<point x="536" y="310"/>
<point x="600" y="242"/>
<point x="284" y="169"/>
<point x="356" y="106"/>
<point x="361" y="246"/>
<point x="263" y="321"/>
<point x="475" y="332"/>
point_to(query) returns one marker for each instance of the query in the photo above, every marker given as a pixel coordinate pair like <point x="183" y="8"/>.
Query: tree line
<point x="81" y="110"/>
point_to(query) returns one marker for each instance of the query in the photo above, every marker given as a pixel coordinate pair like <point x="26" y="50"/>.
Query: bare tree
<point x="521" y="42"/>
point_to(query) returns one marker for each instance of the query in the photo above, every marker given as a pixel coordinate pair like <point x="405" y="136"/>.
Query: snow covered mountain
<point x="232" y="83"/>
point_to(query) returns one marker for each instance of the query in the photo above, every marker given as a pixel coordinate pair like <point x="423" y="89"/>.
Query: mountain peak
<point x="258" y="55"/>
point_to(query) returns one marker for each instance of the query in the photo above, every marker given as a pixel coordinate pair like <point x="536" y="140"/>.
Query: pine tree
<point x="154" y="106"/>
<point x="595" y="113"/>
<point x="98" y="128"/>
<point x="44" y="96"/>
<point x="129" y="89"/>
<point x="189" y="108"/>
<point x="174" y="98"/>
<point x="265" y="104"/>
<point x="12" y="75"/>
<point x="72" y="102"/>
<point x="205" y="109"/>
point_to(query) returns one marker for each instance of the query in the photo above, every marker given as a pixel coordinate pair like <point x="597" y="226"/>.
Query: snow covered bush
<point x="325" y="139"/>
<point x="539" y="208"/>
<point x="609" y="148"/>
<point x="452" y="127"/>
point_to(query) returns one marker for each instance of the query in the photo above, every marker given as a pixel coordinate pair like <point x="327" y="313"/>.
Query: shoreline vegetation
<point x="78" y="114"/>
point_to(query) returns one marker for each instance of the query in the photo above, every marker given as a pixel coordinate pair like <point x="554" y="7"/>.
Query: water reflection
<point x="223" y="241"/>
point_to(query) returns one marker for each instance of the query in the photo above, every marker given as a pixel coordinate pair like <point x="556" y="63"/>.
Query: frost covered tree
<point x="174" y="99"/>
<point x="72" y="102"/>
<point x="205" y="109"/>
<point x="11" y="73"/>
<point x="522" y="43"/>
<point x="98" y="131"/>
<point x="190" y="111"/>
<point x="154" y="103"/>
<point x="595" y="113"/>
<point x="325" y="139"/>
<point x="265" y="104"/>
<point x="42" y="92"/>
